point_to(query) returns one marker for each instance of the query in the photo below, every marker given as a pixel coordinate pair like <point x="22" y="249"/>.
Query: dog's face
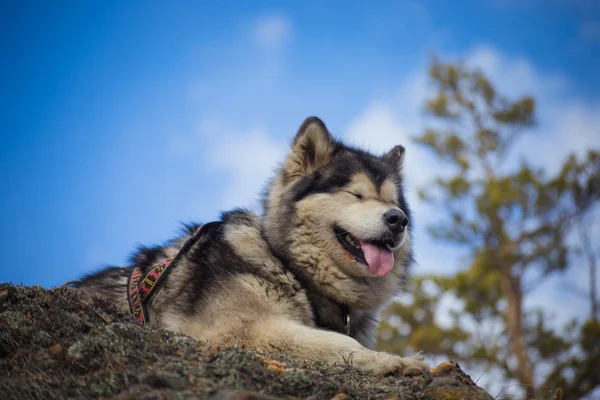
<point x="339" y="211"/>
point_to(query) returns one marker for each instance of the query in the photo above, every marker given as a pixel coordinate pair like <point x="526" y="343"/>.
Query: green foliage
<point x="578" y="374"/>
<point x="515" y="224"/>
<point x="418" y="316"/>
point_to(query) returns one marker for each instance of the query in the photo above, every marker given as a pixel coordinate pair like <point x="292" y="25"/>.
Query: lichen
<point x="58" y="343"/>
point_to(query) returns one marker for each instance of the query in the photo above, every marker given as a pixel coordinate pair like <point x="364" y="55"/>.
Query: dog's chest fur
<point x="243" y="232"/>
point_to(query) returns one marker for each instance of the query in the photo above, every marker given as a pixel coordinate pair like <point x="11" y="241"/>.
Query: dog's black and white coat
<point x="309" y="277"/>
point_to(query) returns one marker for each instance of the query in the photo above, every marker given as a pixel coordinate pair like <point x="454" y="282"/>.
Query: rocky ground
<point x="57" y="344"/>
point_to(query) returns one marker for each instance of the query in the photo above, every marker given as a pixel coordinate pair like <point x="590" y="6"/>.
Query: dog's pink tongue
<point x="380" y="260"/>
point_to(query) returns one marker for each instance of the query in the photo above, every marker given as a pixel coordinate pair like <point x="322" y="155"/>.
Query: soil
<point x="58" y="344"/>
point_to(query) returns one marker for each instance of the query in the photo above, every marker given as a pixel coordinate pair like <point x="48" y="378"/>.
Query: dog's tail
<point x="110" y="283"/>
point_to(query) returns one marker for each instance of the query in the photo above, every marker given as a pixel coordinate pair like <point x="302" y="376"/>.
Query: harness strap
<point x="140" y="289"/>
<point x="133" y="296"/>
<point x="152" y="278"/>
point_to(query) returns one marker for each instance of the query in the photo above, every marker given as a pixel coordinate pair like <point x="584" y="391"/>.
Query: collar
<point x="338" y="321"/>
<point x="319" y="301"/>
<point x="347" y="323"/>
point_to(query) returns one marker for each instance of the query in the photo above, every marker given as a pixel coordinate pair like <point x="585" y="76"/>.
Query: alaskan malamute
<point x="307" y="278"/>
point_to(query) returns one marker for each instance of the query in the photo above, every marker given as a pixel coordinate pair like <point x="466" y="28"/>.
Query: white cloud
<point x="249" y="158"/>
<point x="567" y="124"/>
<point x="377" y="128"/>
<point x="271" y="32"/>
<point x="514" y="76"/>
<point x="578" y="126"/>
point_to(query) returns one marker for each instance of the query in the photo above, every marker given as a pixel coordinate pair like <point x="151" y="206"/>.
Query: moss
<point x="57" y="344"/>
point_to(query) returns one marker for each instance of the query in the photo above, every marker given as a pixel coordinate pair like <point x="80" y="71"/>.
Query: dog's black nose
<point x="396" y="220"/>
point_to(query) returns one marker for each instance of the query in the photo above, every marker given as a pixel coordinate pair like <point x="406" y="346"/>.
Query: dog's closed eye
<point x="357" y="195"/>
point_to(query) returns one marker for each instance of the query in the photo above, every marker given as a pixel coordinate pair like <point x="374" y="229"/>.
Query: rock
<point x="57" y="344"/>
<point x="340" y="396"/>
<point x="450" y="382"/>
<point x="56" y="349"/>
<point x="164" y="381"/>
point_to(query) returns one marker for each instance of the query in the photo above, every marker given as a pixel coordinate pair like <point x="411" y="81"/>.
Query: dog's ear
<point x="396" y="156"/>
<point x="312" y="148"/>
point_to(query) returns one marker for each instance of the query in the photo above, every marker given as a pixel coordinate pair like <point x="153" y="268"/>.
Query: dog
<point x="306" y="278"/>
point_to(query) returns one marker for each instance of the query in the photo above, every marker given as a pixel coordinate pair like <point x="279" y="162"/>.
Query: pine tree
<point x="515" y="223"/>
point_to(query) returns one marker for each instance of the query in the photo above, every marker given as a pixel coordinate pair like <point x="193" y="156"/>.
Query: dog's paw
<point x="414" y="365"/>
<point x="378" y="363"/>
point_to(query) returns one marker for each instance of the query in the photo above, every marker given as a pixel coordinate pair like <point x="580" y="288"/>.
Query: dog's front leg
<point x="304" y="342"/>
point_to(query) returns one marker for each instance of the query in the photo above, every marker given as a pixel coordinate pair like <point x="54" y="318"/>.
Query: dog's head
<point x="338" y="214"/>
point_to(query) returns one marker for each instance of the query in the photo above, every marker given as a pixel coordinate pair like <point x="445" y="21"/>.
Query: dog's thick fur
<point x="284" y="282"/>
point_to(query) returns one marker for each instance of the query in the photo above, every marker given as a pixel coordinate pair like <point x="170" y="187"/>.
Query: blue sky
<point x="120" y="120"/>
